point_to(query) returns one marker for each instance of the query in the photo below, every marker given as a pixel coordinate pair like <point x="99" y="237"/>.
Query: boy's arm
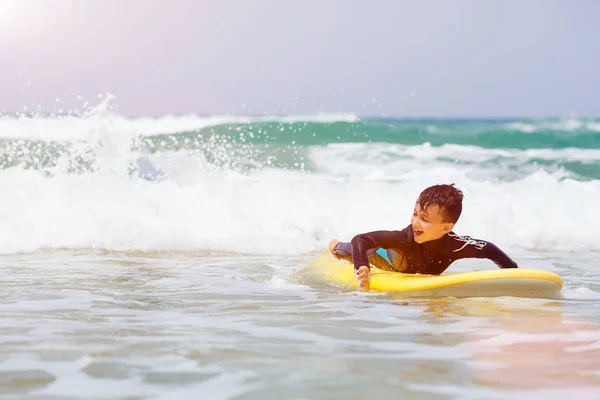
<point x="374" y="240"/>
<point x="467" y="247"/>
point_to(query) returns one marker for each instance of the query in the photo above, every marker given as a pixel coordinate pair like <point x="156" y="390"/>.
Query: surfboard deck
<point x="517" y="282"/>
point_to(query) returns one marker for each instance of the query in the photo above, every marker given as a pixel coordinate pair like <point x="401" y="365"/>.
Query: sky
<point x="385" y="58"/>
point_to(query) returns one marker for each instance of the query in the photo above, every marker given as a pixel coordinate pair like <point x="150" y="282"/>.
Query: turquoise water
<point x="490" y="134"/>
<point x="164" y="257"/>
<point x="550" y="144"/>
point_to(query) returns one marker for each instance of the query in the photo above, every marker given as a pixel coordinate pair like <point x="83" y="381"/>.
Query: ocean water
<point x="164" y="257"/>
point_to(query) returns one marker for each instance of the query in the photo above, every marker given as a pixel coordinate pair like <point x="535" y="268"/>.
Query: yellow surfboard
<point x="518" y="282"/>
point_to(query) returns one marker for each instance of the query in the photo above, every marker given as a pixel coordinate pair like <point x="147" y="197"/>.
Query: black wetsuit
<point x="406" y="255"/>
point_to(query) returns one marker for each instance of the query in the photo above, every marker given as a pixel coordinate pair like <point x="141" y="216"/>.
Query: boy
<point x="426" y="246"/>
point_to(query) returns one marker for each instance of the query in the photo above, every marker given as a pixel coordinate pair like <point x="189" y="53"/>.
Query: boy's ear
<point x="448" y="226"/>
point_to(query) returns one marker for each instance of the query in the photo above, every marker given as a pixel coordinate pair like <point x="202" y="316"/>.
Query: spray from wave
<point x="279" y="185"/>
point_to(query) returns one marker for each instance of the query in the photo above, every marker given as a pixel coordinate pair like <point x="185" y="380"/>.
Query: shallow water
<point x="242" y="204"/>
<point x="95" y="324"/>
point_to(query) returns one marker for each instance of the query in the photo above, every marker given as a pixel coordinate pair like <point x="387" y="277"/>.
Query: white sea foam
<point x="280" y="211"/>
<point x="580" y="293"/>
<point x="565" y="125"/>
<point x="353" y="188"/>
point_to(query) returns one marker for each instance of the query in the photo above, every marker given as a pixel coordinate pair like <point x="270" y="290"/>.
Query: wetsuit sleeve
<point x="374" y="240"/>
<point x="473" y="248"/>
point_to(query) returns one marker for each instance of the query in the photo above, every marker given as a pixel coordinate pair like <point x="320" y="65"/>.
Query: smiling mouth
<point x="417" y="233"/>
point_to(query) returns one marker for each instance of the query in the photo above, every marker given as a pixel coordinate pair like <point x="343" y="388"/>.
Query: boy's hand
<point x="363" y="274"/>
<point x="331" y="247"/>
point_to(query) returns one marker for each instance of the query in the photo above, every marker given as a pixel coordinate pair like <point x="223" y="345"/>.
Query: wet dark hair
<point x="447" y="197"/>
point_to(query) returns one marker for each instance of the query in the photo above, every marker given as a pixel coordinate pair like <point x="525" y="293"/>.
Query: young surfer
<point x="426" y="246"/>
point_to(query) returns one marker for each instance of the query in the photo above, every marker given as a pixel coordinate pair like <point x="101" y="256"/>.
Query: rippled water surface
<point x="92" y="324"/>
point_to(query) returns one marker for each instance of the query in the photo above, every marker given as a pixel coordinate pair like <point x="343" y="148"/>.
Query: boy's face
<point x="429" y="224"/>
